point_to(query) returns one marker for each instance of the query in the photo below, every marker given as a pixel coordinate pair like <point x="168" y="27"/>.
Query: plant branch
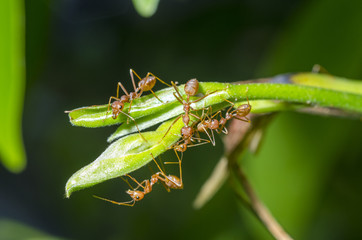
<point x="260" y="210"/>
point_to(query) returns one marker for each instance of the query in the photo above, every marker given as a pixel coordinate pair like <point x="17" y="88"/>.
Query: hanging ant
<point x="170" y="181"/>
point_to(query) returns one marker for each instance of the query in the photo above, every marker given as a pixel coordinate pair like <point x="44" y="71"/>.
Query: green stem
<point x="290" y="93"/>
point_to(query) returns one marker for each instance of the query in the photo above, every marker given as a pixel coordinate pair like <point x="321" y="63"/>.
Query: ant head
<point x="192" y="87"/>
<point x="136" y="195"/>
<point x="201" y="127"/>
<point x="181" y="147"/>
<point x="214" y="124"/>
<point x="147" y="83"/>
<point x="186" y="131"/>
<point x="117" y="106"/>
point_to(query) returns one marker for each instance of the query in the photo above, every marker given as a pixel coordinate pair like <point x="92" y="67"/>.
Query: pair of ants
<point x="205" y="123"/>
<point x="169" y="181"/>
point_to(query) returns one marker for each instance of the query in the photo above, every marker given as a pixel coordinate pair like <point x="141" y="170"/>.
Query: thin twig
<point x="260" y="210"/>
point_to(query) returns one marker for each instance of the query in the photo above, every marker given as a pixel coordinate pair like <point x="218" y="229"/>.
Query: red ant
<point x="211" y="123"/>
<point x="145" y="84"/>
<point x="170" y="181"/>
<point x="191" y="88"/>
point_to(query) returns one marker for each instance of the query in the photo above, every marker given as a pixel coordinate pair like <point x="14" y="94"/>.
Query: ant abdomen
<point x="173" y="182"/>
<point x="192" y="87"/>
<point x="244" y="108"/>
<point x="147" y="83"/>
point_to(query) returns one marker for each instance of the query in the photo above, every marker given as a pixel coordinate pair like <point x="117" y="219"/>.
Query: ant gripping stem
<point x="191" y="88"/>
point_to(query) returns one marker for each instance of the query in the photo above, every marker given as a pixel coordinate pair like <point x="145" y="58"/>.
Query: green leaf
<point x="97" y="115"/>
<point x="132" y="152"/>
<point x="12" y="79"/>
<point x="10" y="229"/>
<point x="124" y="156"/>
<point x="145" y="8"/>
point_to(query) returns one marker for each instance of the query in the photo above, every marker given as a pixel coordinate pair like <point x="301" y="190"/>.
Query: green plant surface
<point x="145" y="8"/>
<point x="132" y="152"/>
<point x="10" y="229"/>
<point x="315" y="89"/>
<point x="12" y="81"/>
<point x="328" y="82"/>
<point x="124" y="156"/>
<point x="297" y="165"/>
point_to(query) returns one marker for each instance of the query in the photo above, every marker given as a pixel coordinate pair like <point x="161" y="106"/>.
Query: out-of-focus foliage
<point x="14" y="230"/>
<point x="306" y="151"/>
<point x="145" y="8"/>
<point x="12" y="81"/>
<point x="308" y="169"/>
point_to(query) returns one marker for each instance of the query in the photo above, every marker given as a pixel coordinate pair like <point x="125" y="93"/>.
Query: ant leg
<point x="177" y="92"/>
<point x="204" y="96"/>
<point x="164" y="177"/>
<point x="131" y="72"/>
<point x="135" y="125"/>
<point x="218" y="112"/>
<point x="154" y="94"/>
<point x="232" y="104"/>
<point x="118" y="203"/>
<point x="213" y="138"/>
<point x="179" y="159"/>
<point x="129" y="109"/>
<point x="158" y="166"/>
<point x="178" y="99"/>
<point x="158" y="79"/>
<point x="124" y="179"/>
<point x="225" y="130"/>
<point x="170" y="128"/>
<point x="244" y="120"/>
<point x="180" y="167"/>
<point x="139" y="184"/>
<point x="194" y="115"/>
<point x="247" y="119"/>
<point x="205" y="141"/>
<point x="123" y="88"/>
<point x="208" y="135"/>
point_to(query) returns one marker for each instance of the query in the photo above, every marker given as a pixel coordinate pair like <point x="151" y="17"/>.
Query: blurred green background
<point x="308" y="170"/>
